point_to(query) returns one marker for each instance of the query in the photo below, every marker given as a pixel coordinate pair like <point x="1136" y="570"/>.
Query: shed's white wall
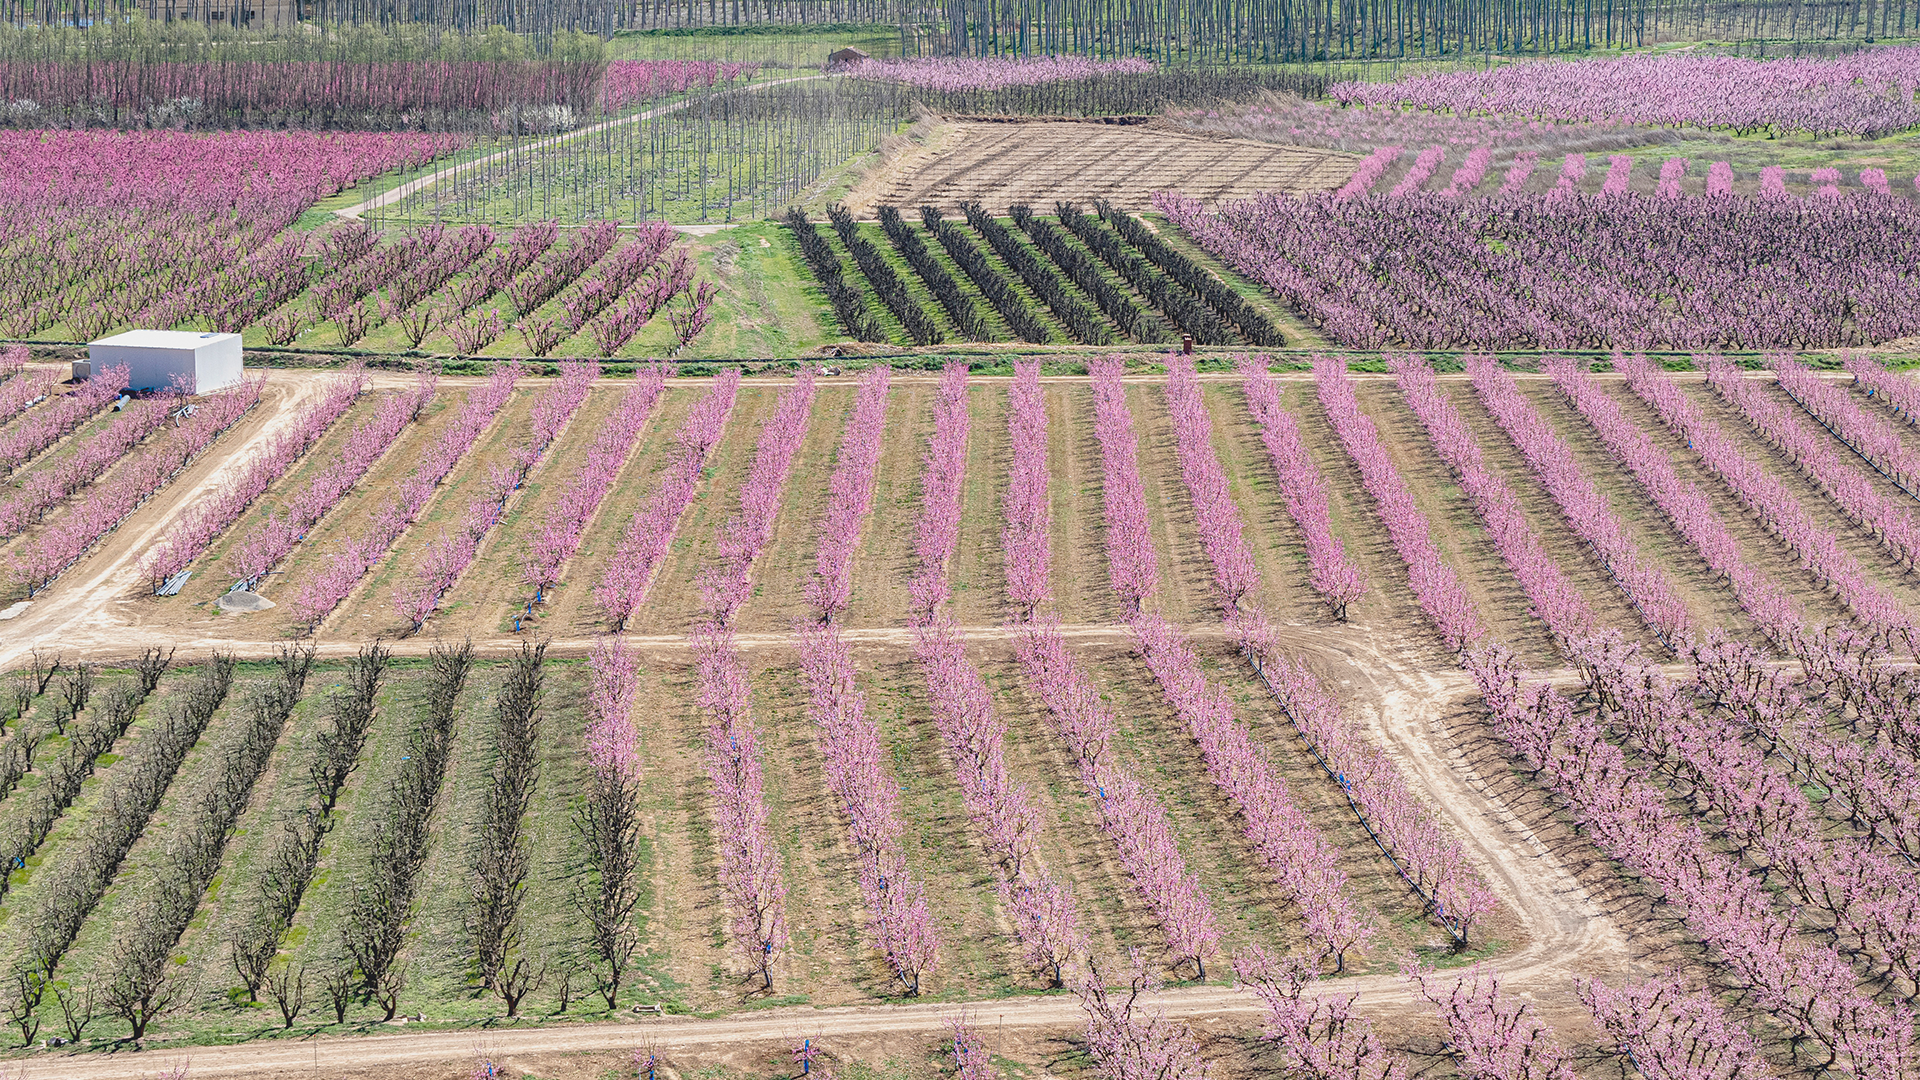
<point x="209" y="365"/>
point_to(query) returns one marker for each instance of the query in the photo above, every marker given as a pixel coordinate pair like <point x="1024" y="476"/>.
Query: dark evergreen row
<point x="1252" y="325"/>
<point x="886" y="283"/>
<point x="1140" y="325"/>
<point x="849" y="304"/>
<point x="967" y="320"/>
<point x="1080" y="273"/>
<point x="1080" y="320"/>
<point x="1186" y="313"/>
<point x="999" y="292"/>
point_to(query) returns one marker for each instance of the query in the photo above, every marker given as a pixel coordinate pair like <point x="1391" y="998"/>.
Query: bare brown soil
<point x="1567" y="911"/>
<point x="1040" y="162"/>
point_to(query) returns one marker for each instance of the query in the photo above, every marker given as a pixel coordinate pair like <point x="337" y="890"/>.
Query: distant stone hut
<point x="845" y="58"/>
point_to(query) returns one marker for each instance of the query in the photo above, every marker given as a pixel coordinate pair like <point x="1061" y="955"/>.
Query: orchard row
<point x="1070" y="278"/>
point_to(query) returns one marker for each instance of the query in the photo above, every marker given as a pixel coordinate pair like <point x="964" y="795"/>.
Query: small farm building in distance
<point x="845" y="58"/>
<point x="157" y="359"/>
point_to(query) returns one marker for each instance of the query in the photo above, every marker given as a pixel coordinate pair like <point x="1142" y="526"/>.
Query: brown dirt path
<point x="1385" y="665"/>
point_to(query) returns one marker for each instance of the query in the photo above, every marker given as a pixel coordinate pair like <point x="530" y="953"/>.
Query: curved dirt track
<point x="1564" y="933"/>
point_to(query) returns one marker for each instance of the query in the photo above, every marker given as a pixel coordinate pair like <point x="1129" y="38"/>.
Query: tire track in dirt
<point x="1566" y="934"/>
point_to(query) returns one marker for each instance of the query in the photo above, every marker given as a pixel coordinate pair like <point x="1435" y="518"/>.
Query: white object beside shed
<point x="155" y="359"/>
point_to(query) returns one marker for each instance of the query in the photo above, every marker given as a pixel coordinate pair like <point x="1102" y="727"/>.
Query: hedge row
<point x="849" y="306"/>
<point x="893" y="292"/>
<point x="1188" y="313"/>
<point x="1134" y="321"/>
<point x="967" y="255"/>
<point x="966" y="316"/>
<point x="1229" y="304"/>
<point x="1081" y="321"/>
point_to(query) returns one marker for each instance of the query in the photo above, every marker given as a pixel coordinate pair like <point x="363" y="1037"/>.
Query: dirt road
<point x="1403" y="705"/>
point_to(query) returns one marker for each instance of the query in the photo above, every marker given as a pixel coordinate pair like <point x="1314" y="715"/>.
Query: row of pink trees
<point x="1405" y="830"/>
<point x="36" y="563"/>
<point x="21" y="391"/>
<point x="1897" y="392"/>
<point x="1804" y="984"/>
<point x="1027" y="537"/>
<point x="449" y="554"/>
<point x="643" y="544"/>
<point x="750" y="877"/>
<point x="39" y="490"/>
<point x="937" y="530"/>
<point x="1895" y="522"/>
<point x="1769" y="498"/>
<point x="849" y="496"/>
<point x="557" y="539"/>
<point x="1215" y="515"/>
<point x="1807" y="983"/>
<point x="726" y="584"/>
<point x="1585" y="769"/>
<point x="1303" y="864"/>
<point x="1132" y="569"/>
<point x="344" y="567"/>
<point x="1132" y="815"/>
<point x="974" y="733"/>
<point x="59" y="417"/>
<point x="1329" y="571"/>
<point x="267" y="544"/>
<point x="209" y="518"/>
<point x="1872" y="437"/>
<point x="1582" y="505"/>
<point x="1556" y="600"/>
<point x="750" y="874"/>
<point x="899" y="919"/>
<point x="1435" y="584"/>
<point x="1672" y="1030"/>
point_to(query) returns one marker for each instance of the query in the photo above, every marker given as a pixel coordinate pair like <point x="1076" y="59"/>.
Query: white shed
<point x="155" y="358"/>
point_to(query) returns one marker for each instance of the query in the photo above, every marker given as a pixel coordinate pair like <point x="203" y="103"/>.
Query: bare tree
<point x="251" y="957"/>
<point x="499" y="857"/>
<point x="151" y="666"/>
<point x="519" y="979"/>
<point x="288" y="989"/>
<point x="75" y="689"/>
<point x="23" y="1004"/>
<point x="386" y="993"/>
<point x="339" y="986"/>
<point x="76" y="1010"/>
<point x="43" y="671"/>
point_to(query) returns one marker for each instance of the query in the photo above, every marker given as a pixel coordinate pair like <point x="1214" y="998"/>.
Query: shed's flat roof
<point x="164" y="339"/>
